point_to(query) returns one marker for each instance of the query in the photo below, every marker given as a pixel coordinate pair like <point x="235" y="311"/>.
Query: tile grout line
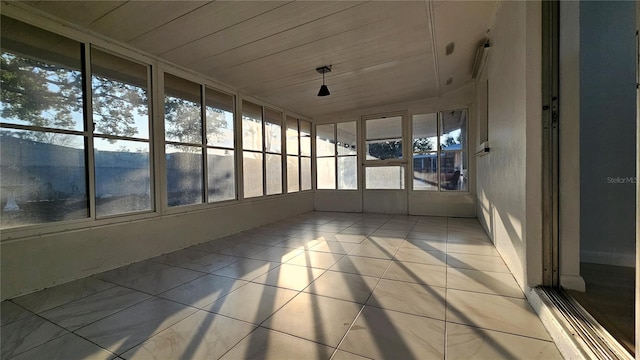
<point x="363" y="306"/>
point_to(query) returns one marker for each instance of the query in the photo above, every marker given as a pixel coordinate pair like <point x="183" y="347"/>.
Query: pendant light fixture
<point x="324" y="90"/>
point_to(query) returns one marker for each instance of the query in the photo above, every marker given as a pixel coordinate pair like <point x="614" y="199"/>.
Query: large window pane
<point x="182" y="111"/>
<point x="251" y="126"/>
<point x="219" y="113"/>
<point x="252" y="174"/>
<point x="347" y="138"/>
<point x="120" y="97"/>
<point x="453" y="130"/>
<point x="347" y="172"/>
<point x="384" y="138"/>
<point x="384" y="149"/>
<point x="293" y="174"/>
<point x="184" y="175"/>
<point x="425" y="171"/>
<point x="326" y="173"/>
<point x="43" y="178"/>
<point x="425" y="133"/>
<point x="122" y="176"/>
<point x="425" y="156"/>
<point x="325" y="140"/>
<point x="305" y="138"/>
<point x="221" y="175"/>
<point x="384" y="128"/>
<point x="453" y="170"/>
<point x="41" y="78"/>
<point x="273" y="131"/>
<point x="384" y="177"/>
<point x="274" y="174"/>
<point x="292" y="136"/>
<point x="305" y="173"/>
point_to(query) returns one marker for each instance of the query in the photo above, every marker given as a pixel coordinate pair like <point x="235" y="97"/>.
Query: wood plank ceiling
<point x="382" y="52"/>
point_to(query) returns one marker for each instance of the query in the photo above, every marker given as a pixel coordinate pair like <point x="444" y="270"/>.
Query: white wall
<point x="509" y="177"/>
<point x="36" y="262"/>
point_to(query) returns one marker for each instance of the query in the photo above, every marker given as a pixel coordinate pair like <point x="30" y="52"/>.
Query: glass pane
<point x="293" y="174"/>
<point x="182" y="112"/>
<point x="123" y="181"/>
<point x="292" y="136"/>
<point x="325" y="140"/>
<point x="385" y="128"/>
<point x="454" y="130"/>
<point x="305" y="138"/>
<point x="221" y="173"/>
<point x="326" y="173"/>
<point x="120" y="96"/>
<point x="425" y="171"/>
<point x="219" y="112"/>
<point x="42" y="176"/>
<point x="384" y="177"/>
<point x="347" y="138"/>
<point x="384" y="149"/>
<point x="305" y="173"/>
<point x="453" y="172"/>
<point x="273" y="131"/>
<point x="184" y="175"/>
<point x="252" y="174"/>
<point x="251" y="126"/>
<point x="347" y="172"/>
<point x="425" y="133"/>
<point x="274" y="174"/>
<point x="41" y="78"/>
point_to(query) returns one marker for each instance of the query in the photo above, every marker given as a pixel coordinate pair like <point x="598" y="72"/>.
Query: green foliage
<point x="422" y="145"/>
<point x="40" y="94"/>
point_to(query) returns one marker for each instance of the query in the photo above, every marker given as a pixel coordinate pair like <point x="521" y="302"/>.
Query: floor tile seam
<point x="248" y="280"/>
<point x="470" y="253"/>
<point x="297" y="336"/>
<point x="162" y="292"/>
<point x="407" y="313"/>
<point x="486" y="293"/>
<point x="153" y="333"/>
<point x="349" y="352"/>
<point x="549" y="340"/>
<point x="416" y="262"/>
<point x="81" y="297"/>
<point x="211" y="272"/>
<point x="481" y="293"/>
<point x="151" y="297"/>
<point x="446" y="283"/>
<point x="256" y="326"/>
<point x="331" y="297"/>
<point x="191" y="305"/>
<point x="111" y="314"/>
<point x="414" y="283"/>
<point x="449" y="266"/>
<point x="344" y="336"/>
<point x="66" y="332"/>
<point x="31" y="313"/>
<point x="183" y="283"/>
<point x="319" y="268"/>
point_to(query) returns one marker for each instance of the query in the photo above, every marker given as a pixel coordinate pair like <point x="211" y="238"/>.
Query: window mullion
<point x="264" y="153"/>
<point x="335" y="153"/>
<point x="89" y="129"/>
<point x="438" y="149"/>
<point x="203" y="146"/>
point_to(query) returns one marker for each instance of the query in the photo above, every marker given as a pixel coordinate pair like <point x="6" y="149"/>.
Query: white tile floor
<point x="317" y="286"/>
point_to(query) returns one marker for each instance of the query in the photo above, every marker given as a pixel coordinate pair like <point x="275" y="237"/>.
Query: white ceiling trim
<point x="434" y="45"/>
